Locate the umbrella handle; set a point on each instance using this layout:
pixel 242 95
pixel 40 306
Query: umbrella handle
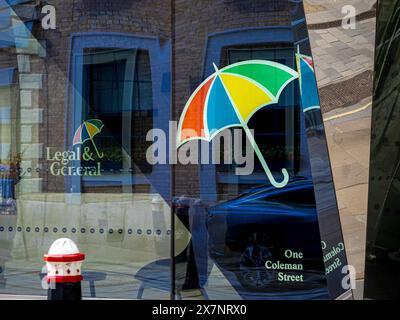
pixel 264 164
pixel 97 151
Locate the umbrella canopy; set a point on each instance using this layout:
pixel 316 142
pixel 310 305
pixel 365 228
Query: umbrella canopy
pixel 308 83
pixel 86 131
pixel 230 97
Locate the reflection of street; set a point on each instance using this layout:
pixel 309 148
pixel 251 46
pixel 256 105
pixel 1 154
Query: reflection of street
pixel 322 11
pixel 220 281
pixel 341 54
pixel 119 233
pixel 344 62
pixel 348 136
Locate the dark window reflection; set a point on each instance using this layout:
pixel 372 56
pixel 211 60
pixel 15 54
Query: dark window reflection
pixel 383 236
pixel 119 92
pixel 276 127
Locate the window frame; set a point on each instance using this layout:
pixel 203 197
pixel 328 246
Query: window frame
pixel 160 57
pixel 215 45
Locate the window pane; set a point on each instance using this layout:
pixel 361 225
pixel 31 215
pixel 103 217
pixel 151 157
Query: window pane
pixel 119 93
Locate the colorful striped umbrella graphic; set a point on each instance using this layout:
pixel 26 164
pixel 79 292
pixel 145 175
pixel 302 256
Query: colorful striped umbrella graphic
pixel 308 83
pixel 86 131
pixel 230 97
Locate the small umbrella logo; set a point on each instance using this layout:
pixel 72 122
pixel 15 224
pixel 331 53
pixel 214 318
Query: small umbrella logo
pixel 86 131
pixel 230 97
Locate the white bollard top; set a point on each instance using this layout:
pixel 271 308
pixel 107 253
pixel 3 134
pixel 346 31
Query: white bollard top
pixel 63 246
pixel 64 262
pixel 64 250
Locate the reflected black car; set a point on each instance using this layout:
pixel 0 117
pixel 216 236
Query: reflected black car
pixel 262 225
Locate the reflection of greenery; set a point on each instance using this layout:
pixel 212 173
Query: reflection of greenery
pixel 112 154
pixel 273 153
pixel 14 161
pixel 139 153
pixel 109 154
pixel 115 154
pixel 114 157
pixel 13 170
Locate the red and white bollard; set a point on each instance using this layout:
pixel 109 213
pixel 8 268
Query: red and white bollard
pixel 64 270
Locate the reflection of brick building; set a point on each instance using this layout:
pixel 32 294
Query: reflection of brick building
pixel 220 28
pixel 51 69
pixel 94 16
pixel 44 64
pixel 133 65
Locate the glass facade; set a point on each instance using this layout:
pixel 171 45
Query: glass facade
pixel 175 142
pixel 382 252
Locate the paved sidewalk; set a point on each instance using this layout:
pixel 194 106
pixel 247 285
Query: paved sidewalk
pixel 330 10
pixel 340 53
pixel 348 135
